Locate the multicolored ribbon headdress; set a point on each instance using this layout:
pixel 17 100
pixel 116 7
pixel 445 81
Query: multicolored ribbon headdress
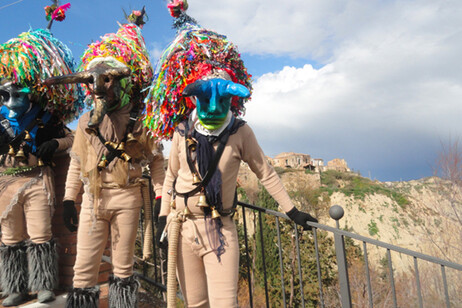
pixel 35 56
pixel 128 47
pixel 195 53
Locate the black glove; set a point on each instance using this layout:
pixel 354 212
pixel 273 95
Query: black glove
pixel 162 221
pixel 300 218
pixel 46 150
pixel 157 209
pixel 4 139
pixel 70 214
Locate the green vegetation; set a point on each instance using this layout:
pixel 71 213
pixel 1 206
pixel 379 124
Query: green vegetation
pixel 289 259
pixel 373 229
pixel 281 170
pixel 358 187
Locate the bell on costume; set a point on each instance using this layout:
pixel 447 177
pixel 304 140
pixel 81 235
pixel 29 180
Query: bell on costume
pixel 131 138
pixel 173 204
pixel 196 179
pixel 126 157
pixel 112 144
pixel 191 144
pixel 27 137
pixel 215 214
pixel 40 162
pixel 11 151
pixel 202 201
pixel 20 155
pixel 102 164
pixel 187 211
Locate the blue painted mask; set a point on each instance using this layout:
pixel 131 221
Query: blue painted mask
pixel 214 99
pixel 15 98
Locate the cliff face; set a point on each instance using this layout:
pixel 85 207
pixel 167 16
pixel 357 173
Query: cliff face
pixel 417 215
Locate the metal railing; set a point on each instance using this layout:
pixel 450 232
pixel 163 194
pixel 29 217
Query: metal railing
pixel 152 271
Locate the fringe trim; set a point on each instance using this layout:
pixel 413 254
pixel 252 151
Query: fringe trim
pixel 83 298
pixel 15 198
pixel 43 266
pixel 13 268
pixel 123 292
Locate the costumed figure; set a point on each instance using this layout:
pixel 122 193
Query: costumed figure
pixel 199 89
pixel 32 129
pixel 110 148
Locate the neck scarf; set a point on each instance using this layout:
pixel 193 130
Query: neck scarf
pixel 19 125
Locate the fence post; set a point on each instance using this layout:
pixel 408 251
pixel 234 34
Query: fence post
pixel 336 212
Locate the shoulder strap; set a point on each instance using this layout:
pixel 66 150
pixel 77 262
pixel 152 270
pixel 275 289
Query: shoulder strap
pixel 6 126
pixel 223 139
pixel 113 153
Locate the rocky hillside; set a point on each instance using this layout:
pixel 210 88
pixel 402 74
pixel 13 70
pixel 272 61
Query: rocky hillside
pixel 417 215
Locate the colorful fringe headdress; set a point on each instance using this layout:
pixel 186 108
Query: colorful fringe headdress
pixel 195 53
pixel 35 56
pixel 128 47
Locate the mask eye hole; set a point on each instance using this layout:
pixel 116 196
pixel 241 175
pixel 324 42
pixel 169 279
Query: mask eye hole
pixel 90 80
pixel 4 96
pixel 16 95
pixel 106 79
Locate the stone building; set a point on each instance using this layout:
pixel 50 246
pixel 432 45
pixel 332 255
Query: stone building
pixel 292 160
pixel 338 164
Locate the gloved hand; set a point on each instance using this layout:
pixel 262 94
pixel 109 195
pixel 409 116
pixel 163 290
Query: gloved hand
pixel 46 150
pixel 70 214
pixel 157 209
pixel 4 138
pixel 160 229
pixel 300 218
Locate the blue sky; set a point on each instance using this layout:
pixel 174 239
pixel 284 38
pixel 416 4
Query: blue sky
pixel 375 82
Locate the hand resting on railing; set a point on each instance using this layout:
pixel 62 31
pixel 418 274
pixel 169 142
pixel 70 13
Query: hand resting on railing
pixel 300 218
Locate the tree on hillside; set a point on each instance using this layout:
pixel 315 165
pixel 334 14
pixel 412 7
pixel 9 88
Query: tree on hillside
pixel 449 170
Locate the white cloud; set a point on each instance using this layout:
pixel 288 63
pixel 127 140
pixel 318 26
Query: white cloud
pixel 155 51
pixel 388 92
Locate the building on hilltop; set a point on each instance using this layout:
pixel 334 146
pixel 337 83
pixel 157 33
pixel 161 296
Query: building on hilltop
pixel 292 160
pixel 304 161
pixel 318 164
pixel 338 164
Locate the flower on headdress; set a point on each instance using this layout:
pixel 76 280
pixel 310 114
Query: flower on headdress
pixel 53 12
pixel 175 7
pixel 137 17
pixel 49 9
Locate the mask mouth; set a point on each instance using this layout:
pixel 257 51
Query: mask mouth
pixel 213 119
pixel 212 123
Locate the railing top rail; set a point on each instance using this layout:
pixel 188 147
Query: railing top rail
pixel 361 238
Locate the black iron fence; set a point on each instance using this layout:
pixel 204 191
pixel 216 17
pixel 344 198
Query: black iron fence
pixel 333 285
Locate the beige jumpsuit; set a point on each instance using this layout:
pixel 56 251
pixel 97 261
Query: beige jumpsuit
pixel 204 280
pixel 27 200
pixel 112 197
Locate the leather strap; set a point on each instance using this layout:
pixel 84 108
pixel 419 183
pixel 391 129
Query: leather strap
pixel 223 139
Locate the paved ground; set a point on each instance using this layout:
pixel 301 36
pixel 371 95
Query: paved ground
pixel 146 300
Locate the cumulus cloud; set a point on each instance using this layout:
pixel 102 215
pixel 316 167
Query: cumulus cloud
pixel 387 88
